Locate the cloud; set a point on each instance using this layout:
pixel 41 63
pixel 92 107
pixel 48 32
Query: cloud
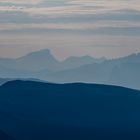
pixel 71 7
pixel 71 25
pixel 21 1
pixel 90 16
pixel 64 45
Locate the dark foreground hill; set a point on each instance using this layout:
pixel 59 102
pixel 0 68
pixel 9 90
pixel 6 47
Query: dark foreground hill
pixel 4 136
pixel 40 111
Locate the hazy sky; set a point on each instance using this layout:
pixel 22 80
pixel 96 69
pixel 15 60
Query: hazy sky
pixel 99 28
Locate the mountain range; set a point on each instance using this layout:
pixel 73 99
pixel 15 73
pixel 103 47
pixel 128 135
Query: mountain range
pixel 43 65
pixel 36 110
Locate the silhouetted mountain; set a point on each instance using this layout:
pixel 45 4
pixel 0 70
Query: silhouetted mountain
pixel 39 60
pixel 4 136
pixel 28 66
pixel 6 72
pixel 5 80
pixel 126 74
pixel 75 62
pixel 123 72
pixel 133 58
pixel 42 65
pixel 36 62
pixel 34 110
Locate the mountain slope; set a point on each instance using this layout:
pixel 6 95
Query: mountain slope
pixel 75 62
pixel 4 136
pixel 44 60
pixel 123 72
pixel 34 110
pixel 36 61
pixel 42 65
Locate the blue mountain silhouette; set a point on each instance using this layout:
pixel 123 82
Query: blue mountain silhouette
pixel 44 60
pixel 43 65
pixel 35 110
pixel 4 136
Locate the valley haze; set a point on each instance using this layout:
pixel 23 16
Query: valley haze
pixel 43 65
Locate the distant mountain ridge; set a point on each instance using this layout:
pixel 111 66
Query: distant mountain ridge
pixel 120 72
pixel 75 62
pixel 43 60
pixel 43 65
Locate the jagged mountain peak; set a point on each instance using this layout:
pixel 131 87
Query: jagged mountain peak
pixel 45 53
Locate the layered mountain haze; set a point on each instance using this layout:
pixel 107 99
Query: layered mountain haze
pixel 31 62
pixel 69 69
pixel 43 59
pixel 74 62
pixel 43 65
pixel 37 61
pixel 122 71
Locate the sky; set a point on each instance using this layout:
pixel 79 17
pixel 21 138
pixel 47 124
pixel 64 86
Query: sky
pixel 109 28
